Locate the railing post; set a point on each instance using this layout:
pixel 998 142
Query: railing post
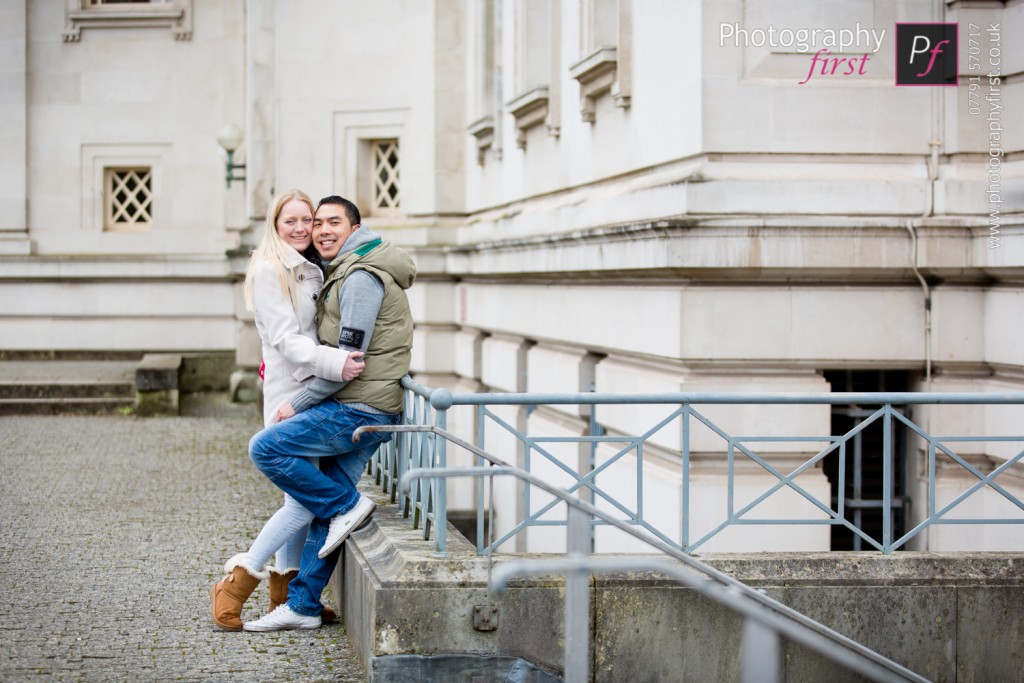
pixel 480 425
pixel 684 523
pixel 858 485
pixel 441 400
pixel 760 656
pixel 594 429
pixel 887 479
pixel 577 599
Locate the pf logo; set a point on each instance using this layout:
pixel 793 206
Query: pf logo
pixel 927 54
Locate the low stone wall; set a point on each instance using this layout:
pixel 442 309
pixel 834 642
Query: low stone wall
pixel 949 617
pixel 157 382
pixel 162 380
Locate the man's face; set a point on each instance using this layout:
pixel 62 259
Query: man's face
pixel 331 228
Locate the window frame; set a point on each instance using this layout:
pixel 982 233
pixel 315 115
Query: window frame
pixel 173 14
pixel 96 158
pixel 352 132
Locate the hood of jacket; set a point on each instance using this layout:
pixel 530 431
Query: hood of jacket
pixel 370 248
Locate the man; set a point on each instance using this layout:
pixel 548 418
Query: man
pixel 362 307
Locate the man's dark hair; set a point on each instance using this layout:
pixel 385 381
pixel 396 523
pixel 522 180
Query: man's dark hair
pixel 351 210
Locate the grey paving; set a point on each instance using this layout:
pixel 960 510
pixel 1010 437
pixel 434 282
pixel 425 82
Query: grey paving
pixel 112 530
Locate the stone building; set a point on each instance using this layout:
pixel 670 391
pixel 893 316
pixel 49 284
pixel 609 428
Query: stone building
pixel 609 195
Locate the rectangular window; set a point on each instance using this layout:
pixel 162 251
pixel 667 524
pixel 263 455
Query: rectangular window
pixel 538 77
pixel 600 24
pixel 486 125
pixel 534 44
pixel 387 194
pixel 128 198
pixel 605 68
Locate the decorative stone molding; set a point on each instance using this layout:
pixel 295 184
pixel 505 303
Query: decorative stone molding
pixel 597 74
pixel 15 244
pixel 97 162
pixel 79 14
pixel 355 134
pixel 529 109
pixel 483 130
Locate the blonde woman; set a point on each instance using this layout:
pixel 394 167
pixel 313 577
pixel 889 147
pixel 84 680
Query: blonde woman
pixel 282 282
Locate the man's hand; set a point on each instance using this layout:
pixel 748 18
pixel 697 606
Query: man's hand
pixel 354 365
pixel 284 412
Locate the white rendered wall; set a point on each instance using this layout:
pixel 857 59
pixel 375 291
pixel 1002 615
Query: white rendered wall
pixel 124 91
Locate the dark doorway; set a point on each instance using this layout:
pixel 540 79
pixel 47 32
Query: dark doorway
pixel 863 486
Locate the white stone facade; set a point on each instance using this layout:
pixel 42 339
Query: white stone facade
pixel 600 194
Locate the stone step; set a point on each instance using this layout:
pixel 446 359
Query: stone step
pixel 110 389
pixel 65 406
pixel 152 384
pixel 66 387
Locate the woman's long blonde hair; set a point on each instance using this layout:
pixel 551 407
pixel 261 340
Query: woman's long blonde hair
pixel 273 249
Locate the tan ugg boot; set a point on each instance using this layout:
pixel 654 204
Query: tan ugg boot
pixel 279 593
pixel 229 594
pixel 279 586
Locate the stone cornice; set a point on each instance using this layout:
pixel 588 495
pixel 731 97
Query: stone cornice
pixel 176 16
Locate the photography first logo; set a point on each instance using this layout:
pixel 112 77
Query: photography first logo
pixel 927 54
pixel 823 40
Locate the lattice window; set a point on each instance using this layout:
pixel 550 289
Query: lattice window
pixel 386 186
pixel 128 198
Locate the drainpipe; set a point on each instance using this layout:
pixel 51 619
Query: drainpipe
pixel 933 172
pixel 932 162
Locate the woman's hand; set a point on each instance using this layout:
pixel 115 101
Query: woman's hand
pixel 354 365
pixel 284 412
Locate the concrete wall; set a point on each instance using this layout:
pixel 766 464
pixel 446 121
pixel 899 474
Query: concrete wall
pixel 948 617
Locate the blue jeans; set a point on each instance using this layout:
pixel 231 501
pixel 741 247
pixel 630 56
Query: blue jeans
pixel 282 453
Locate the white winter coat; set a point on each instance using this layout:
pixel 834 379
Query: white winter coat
pixel 288 333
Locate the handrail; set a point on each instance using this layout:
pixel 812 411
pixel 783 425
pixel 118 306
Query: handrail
pixel 759 398
pixel 804 630
pixel 425 405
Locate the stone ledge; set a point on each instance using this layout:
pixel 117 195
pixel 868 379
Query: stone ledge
pixel 922 609
pixel 397 598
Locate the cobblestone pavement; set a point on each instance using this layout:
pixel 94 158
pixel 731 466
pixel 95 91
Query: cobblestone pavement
pixel 112 530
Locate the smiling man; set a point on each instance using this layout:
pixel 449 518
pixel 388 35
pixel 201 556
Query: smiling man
pixel 362 308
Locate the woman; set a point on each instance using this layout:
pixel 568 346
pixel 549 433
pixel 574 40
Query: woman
pixel 281 285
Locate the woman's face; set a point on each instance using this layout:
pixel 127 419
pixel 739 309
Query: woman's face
pixel 295 224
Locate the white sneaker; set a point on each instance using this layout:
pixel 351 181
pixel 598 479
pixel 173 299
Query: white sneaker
pixel 282 619
pixel 343 525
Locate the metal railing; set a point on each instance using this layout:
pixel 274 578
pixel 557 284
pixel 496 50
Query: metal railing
pixel 766 621
pixel 426 503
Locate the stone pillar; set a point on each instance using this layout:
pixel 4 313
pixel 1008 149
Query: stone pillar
pixel 246 202
pixel 261 96
pixel 504 368
pixel 14 133
pixel 558 369
pixel 952 479
pixel 661 487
